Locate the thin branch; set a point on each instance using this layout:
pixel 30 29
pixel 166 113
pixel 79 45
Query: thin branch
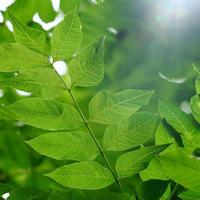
pixel 91 133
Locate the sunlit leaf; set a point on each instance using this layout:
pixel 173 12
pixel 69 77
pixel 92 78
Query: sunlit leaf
pixel 32 38
pixel 87 68
pixel 130 133
pixel 131 163
pixel 67 36
pixel 180 121
pixel 108 108
pixel 187 167
pixel 45 114
pixel 41 82
pixel 65 145
pixel 84 175
pixel 15 56
pixel 195 106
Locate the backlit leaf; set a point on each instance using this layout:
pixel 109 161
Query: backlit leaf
pixel 65 145
pixel 180 121
pixel 67 36
pixel 108 108
pixel 131 163
pixel 195 106
pixel 15 56
pixel 130 133
pixel 182 168
pixel 41 82
pixel 83 175
pixel 87 68
pixel 45 114
pixel 30 37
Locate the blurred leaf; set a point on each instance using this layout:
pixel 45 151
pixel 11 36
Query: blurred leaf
pixel 195 106
pixel 190 195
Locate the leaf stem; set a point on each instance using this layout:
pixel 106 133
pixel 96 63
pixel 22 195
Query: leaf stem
pixel 91 133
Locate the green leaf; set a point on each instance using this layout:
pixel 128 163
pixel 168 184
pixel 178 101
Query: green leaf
pixel 4 188
pixel 163 136
pixel 154 171
pixel 84 175
pixel 108 108
pixel 41 82
pixel 190 195
pixel 30 37
pixel 180 121
pixel 67 36
pixel 65 145
pixel 151 190
pixel 195 106
pixel 28 194
pixel 182 168
pixel 131 163
pixel 130 133
pixel 15 56
pixel 87 68
pixel 45 114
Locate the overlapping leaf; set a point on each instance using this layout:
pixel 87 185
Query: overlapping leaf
pixel 180 121
pixel 32 38
pixel 154 171
pixel 108 108
pixel 190 195
pixel 130 133
pixel 15 56
pixel 65 145
pixel 87 68
pixel 131 163
pixel 45 114
pixel 41 82
pixel 67 36
pixel 195 106
pixel 182 168
pixel 84 175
